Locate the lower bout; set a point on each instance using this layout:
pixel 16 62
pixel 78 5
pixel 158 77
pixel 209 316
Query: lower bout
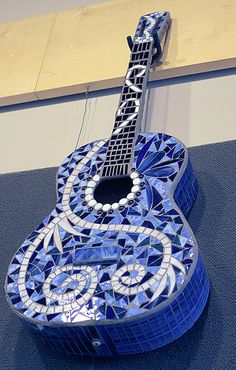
pixel 142 334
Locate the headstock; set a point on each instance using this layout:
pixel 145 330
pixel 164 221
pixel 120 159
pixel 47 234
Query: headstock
pixel 152 28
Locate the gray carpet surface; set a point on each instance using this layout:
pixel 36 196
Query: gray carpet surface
pixel 27 197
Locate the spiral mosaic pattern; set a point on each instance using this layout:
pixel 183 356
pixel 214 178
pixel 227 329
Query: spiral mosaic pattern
pixel 85 279
pixel 132 266
pixel 84 263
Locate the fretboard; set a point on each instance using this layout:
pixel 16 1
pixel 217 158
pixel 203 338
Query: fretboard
pixel 128 117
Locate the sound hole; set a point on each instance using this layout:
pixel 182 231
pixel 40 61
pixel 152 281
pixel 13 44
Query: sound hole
pixel 111 190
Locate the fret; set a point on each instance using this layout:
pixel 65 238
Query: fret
pixel 128 114
pixel 115 158
pixel 117 170
pixel 119 154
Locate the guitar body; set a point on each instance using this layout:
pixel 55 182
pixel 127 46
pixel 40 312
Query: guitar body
pixel 103 275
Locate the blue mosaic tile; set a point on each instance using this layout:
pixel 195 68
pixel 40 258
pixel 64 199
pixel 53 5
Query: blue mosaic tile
pixel 73 274
pixel 100 278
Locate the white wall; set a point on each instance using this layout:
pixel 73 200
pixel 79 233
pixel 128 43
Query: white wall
pixel 197 111
pixel 11 10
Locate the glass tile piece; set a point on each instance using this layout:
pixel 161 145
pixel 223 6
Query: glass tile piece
pixel 113 266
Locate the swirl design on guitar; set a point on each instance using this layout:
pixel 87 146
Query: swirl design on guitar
pixel 136 267
pixel 85 278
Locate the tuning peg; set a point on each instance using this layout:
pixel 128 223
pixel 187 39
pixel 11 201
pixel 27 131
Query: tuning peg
pixel 130 42
pixel 157 56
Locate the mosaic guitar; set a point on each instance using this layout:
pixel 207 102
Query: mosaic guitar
pixel 115 268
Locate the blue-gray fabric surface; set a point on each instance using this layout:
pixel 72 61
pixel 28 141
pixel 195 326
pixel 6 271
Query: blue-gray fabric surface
pixel 27 197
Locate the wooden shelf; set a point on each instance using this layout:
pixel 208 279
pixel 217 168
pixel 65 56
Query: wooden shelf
pixel 22 49
pixel 68 52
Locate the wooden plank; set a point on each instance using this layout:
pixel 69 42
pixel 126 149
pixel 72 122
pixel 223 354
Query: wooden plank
pixel 88 48
pixel 22 49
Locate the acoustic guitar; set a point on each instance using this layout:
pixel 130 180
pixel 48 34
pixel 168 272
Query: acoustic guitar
pixel 115 268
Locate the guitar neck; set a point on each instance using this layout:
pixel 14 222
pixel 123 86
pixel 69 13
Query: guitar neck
pixel 119 155
pixel 129 113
